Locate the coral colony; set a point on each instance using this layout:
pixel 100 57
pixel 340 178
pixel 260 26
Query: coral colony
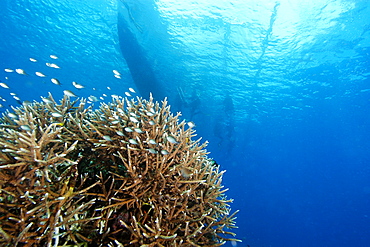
pixel 126 174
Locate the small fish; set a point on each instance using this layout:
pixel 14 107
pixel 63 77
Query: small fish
pixel 16 98
pixel 2 84
pixel 134 120
pixel 26 102
pixel 132 141
pixel 131 90
pixel 138 130
pixel 69 93
pixel 108 88
pixel 185 172
pixel 12 115
pixel 153 151
pixel 76 85
pixel 116 72
pixel 55 81
pixel 120 133
pixel 128 129
pixel 56 114
pixel 127 94
pixel 52 65
pixel 151 122
pixel 46 100
pixel 53 57
pixel 33 60
pixel 107 138
pixel 164 152
pixel 191 124
pixel 60 124
pixel 171 139
pixel 25 127
pixel 21 71
pixel 9 70
pixel 151 141
pixel 12 94
pixel 92 98
pixel 40 74
pixel 117 76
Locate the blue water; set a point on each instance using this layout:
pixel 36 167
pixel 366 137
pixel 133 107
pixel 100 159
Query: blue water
pixel 280 89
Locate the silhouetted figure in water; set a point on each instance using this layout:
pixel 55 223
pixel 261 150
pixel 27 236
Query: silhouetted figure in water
pixel 189 106
pixel 194 104
pixel 228 106
pixel 224 127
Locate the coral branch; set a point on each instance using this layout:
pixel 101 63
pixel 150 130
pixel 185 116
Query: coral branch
pixel 125 174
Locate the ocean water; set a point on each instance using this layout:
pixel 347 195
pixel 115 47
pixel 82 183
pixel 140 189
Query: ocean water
pixel 280 90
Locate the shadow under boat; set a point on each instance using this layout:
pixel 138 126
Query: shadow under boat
pixel 136 58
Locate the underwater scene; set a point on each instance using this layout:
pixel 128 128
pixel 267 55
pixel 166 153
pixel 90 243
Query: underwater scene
pixel 185 123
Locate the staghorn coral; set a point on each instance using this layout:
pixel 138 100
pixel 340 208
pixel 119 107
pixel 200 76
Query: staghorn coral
pixel 128 173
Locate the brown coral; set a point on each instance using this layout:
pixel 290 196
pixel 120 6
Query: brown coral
pixel 128 173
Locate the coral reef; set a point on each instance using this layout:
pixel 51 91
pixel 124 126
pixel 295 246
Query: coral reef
pixel 127 173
